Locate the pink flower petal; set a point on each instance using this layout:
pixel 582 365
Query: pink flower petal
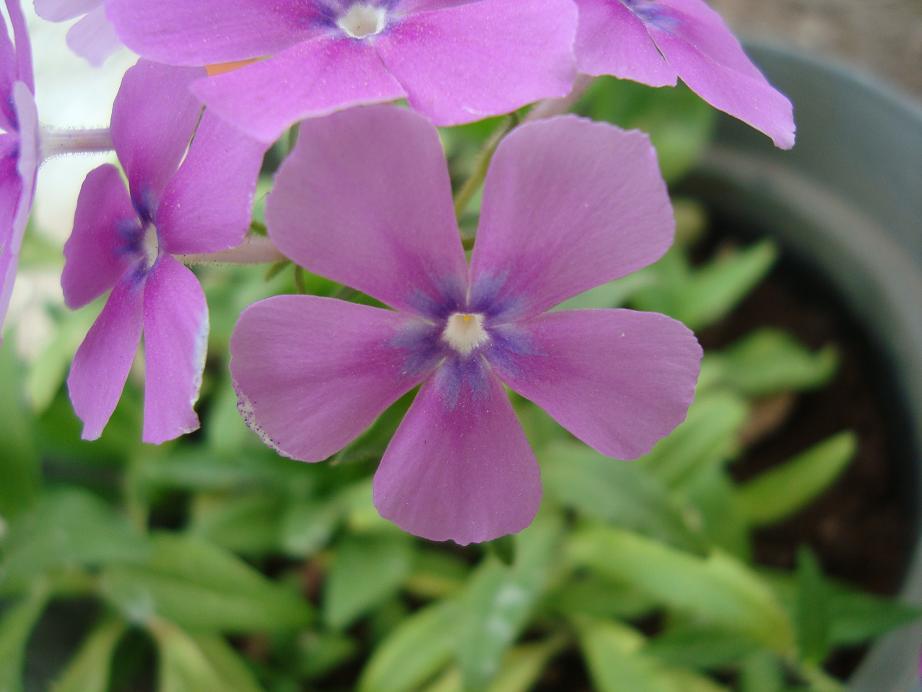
pixel 313 373
pixel 707 56
pixel 617 379
pixel 208 204
pixel 568 204
pixel 94 37
pixel 23 45
pixel 153 119
pixel 459 467
pixel 175 345
pixel 95 254
pixel 201 32
pixel 313 78
pixel 613 40
pixel 365 200
pixel 62 10
pixel 103 361
pixel 483 58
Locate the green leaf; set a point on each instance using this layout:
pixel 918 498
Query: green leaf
pixel 520 671
pixel 707 294
pixel 319 653
pixel 618 662
pixel 786 489
pixel 67 529
pixel 596 596
pixel 706 440
pixel 202 664
pixel 307 526
pixel 89 670
pixel 614 294
pixel 246 524
pixel 421 646
pixel 713 497
pixel 761 672
pixel 855 617
pixel 20 472
pixel 718 589
pixel 700 647
pixel 500 599
pixel 366 571
pixel 15 628
pixel 679 123
pixel 614 492
pixel 812 616
pixel 770 361
pixel 200 586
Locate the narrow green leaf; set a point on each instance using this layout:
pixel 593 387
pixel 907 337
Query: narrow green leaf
pixel 761 672
pixel 15 628
pixel 770 361
pixel 246 524
pixel 421 646
pixel 614 492
pixel 89 670
pixel 784 490
pixel 700 647
pixel 520 671
pixel 20 472
pixel 437 574
pixel 813 617
pixel 713 496
pixel 202 587
pixel 46 374
pixel 718 589
pixel 718 287
pixel 614 294
pixel 306 526
pixel 500 599
pixel 321 652
pixel 594 595
pixel 618 662
pixel 67 529
pixel 707 439
pixel 204 664
pixel 855 617
pixel 366 571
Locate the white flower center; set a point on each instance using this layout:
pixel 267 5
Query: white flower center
pixel 150 244
pixel 464 332
pixel 363 20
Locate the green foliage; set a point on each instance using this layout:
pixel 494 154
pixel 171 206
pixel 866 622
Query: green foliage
pixel 201 587
pixel 785 489
pixel 21 478
pixel 182 545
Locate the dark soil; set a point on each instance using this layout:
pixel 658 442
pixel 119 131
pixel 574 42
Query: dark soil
pixel 861 529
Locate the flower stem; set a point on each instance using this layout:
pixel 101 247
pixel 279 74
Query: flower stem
pixel 253 250
pixel 543 109
pixel 59 142
pixel 473 183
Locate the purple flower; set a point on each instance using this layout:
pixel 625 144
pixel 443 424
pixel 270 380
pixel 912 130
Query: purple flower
pixel 19 147
pixel 658 41
pixel 93 37
pixel 365 199
pixel 455 60
pixel 179 203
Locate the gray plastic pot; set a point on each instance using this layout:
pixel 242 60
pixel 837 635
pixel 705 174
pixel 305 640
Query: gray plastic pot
pixel 847 201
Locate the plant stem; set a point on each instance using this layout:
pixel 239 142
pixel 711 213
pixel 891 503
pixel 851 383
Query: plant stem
pixel 253 250
pixel 473 183
pixel 55 142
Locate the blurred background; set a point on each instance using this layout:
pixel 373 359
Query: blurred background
pixel 771 544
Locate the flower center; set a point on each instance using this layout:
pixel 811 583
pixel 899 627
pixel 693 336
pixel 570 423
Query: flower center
pixel 363 20
pixel 464 332
pixel 150 245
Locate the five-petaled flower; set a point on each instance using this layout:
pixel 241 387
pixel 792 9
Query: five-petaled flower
pixel 93 37
pixel 365 199
pixel 19 147
pixel 456 61
pixel 182 200
pixel 658 41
